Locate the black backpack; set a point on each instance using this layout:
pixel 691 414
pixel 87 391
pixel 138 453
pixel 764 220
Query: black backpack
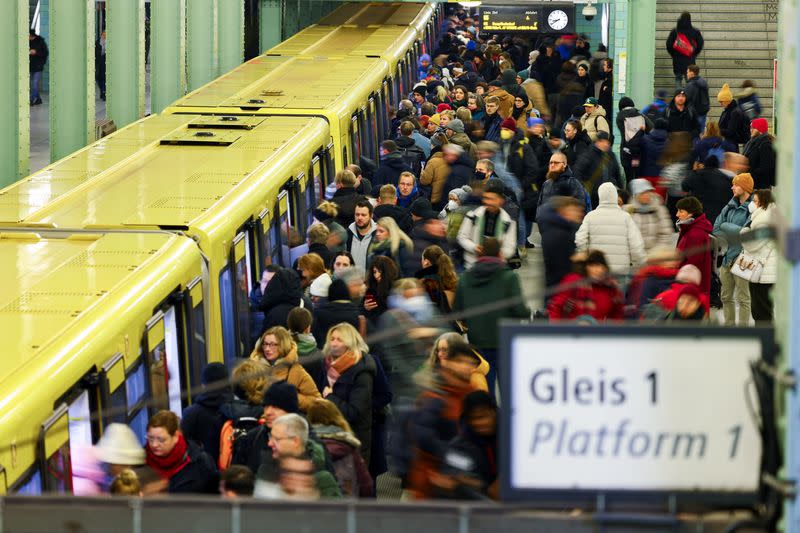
pixel 413 157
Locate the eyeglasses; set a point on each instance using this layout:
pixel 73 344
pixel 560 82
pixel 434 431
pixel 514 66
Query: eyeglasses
pixel 269 344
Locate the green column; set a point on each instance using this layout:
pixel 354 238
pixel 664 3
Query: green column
pixel 125 61
pixel 231 34
pixel 71 76
pixel 167 52
pixel 14 92
pixel 641 49
pixel 291 17
pixel 201 45
pixel 269 23
pixel 304 13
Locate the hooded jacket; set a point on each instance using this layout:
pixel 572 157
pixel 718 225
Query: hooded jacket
pixel 695 235
pixel 201 421
pixel 595 122
pixel 652 147
pixel 199 476
pixel 435 175
pixel 359 245
pixel 331 313
pixel 595 167
pixel 388 173
pixel 612 231
pixel 685 120
pixel 489 280
pixel 288 369
pixel 463 141
pixel 653 222
pixel 399 214
pixel 578 145
pixel 565 185
pixel 681 62
pixel 283 293
pixel 765 250
pixel 346 199
pixel 351 471
pixel 462 172
pixel 734 125
pixel 506 102
pixel 697 95
pixel 601 300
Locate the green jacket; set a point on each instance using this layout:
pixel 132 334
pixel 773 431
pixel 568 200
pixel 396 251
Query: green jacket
pixel 327 485
pixel 488 281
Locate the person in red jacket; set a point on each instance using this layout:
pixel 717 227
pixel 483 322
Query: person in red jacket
pixel 588 291
pixel 694 242
pixel 687 275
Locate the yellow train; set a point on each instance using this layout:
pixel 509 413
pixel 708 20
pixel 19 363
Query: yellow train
pixel 129 262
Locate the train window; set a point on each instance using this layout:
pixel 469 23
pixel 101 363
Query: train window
pixel 242 292
pixel 355 139
pixel 174 359
pixel 157 368
pixel 228 310
pixel 198 356
pixel 365 141
pixel 264 232
pixel 136 388
pixel 399 83
pixel 139 425
pixel 381 111
pixel 315 188
pixel 114 390
pixel 288 234
pixel 54 447
pixel 31 485
pixel 329 168
pixel 80 421
pixel 299 204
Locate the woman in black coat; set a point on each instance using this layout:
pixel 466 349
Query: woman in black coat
pixel 346 377
pixel 281 294
pixel 681 62
pixel 338 308
pixel 577 140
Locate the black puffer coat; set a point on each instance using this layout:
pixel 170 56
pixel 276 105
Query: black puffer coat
pixel 283 293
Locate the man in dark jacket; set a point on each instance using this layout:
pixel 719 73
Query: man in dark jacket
pixel 200 421
pixel 37 56
pixel 680 116
pixel 489 280
pixel 652 146
pixel 597 166
pixel 733 123
pixel 518 156
pixel 558 223
pixel 462 167
pixel 690 44
pixel 346 197
pixel 709 185
pixel 392 165
pixel 760 153
pixel 606 93
pixel 632 126
pixel 560 182
pixel 407 146
pixel 697 94
pixel 387 207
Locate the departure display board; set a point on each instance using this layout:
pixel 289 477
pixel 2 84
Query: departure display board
pixel 528 18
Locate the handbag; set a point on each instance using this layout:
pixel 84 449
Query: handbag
pixel 748 267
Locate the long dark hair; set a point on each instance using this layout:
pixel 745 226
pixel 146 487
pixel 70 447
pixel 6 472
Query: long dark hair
pixel 765 198
pixel 389 274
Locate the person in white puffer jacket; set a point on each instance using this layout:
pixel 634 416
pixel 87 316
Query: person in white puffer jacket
pixel 650 215
pixel 762 214
pixel 612 231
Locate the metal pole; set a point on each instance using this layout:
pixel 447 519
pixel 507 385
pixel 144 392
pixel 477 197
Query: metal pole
pixel 168 52
pixel 202 44
pixel 125 61
pixel 14 92
pixel 270 24
pixel 72 40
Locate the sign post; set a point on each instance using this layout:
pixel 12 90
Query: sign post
pixel 630 413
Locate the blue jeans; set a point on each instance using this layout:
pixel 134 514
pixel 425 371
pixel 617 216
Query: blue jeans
pixel 522 236
pixel 36 80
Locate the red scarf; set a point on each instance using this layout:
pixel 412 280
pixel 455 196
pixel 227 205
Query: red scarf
pixel 172 463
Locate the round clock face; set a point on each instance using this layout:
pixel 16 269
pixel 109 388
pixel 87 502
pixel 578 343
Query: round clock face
pixel 557 19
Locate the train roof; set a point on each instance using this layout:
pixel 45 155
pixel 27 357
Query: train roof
pixel 289 85
pixel 207 176
pixel 415 14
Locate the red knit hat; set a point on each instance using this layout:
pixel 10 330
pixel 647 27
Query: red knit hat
pixel 423 120
pixel 760 124
pixel 509 124
pixel 442 107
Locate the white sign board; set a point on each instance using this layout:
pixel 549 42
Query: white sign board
pixel 632 413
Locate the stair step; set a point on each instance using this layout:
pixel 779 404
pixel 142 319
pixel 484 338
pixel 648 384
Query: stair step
pixel 726 54
pixel 749 26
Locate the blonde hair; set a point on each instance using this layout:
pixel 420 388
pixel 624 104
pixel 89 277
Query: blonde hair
pixel 396 235
pixel 441 93
pixel 126 483
pixel 285 343
pixel 346 178
pixel 250 376
pixel 464 114
pixel 444 266
pixel 318 234
pixel 449 113
pixel 329 208
pixel 325 413
pixel 712 130
pixel 491 100
pixel 350 336
pixel 388 192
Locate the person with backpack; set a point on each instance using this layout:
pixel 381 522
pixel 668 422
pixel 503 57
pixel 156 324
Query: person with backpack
pixel 733 123
pixel 200 421
pixel 413 154
pixel 684 44
pixel 594 119
pixel 711 144
pixel 455 135
pixel 392 165
pixel 697 94
pixel 632 126
pixel 597 166
pixel 658 107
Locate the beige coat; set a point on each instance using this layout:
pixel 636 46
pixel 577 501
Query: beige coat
pixel 435 174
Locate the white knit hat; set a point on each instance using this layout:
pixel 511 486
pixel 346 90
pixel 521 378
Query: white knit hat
pixel 319 287
pixel 689 274
pixel 120 446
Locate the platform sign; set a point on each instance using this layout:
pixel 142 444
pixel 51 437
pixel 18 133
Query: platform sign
pixel 630 411
pixel 520 18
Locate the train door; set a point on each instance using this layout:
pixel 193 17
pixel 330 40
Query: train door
pixel 54 452
pixel 163 361
pixel 194 312
pixel 268 247
pixel 355 139
pixel 234 289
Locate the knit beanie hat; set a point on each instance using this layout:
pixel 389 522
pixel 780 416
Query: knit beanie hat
pixel 214 372
pixel 120 446
pixel 462 193
pixel 434 119
pixel 689 274
pixel 639 185
pixel 625 102
pixel 760 124
pixel 283 396
pixel 423 120
pixel 509 124
pixel 725 95
pixel 456 125
pixel 533 121
pixel 421 90
pixel 319 287
pixel 338 291
pixel 442 107
pixel 745 181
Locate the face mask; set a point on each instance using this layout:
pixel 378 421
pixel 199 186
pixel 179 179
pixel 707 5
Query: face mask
pixel 506 135
pixel 752 207
pixel 480 176
pixel 452 204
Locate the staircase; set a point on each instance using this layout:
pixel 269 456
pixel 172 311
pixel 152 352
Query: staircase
pixel 740 44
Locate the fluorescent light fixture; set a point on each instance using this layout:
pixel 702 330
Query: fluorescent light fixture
pixel 471 3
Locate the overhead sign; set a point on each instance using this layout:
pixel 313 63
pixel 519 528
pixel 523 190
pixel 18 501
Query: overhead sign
pixel 620 409
pixel 551 18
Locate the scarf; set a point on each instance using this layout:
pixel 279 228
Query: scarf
pixel 499 228
pixel 172 463
pixel 337 367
